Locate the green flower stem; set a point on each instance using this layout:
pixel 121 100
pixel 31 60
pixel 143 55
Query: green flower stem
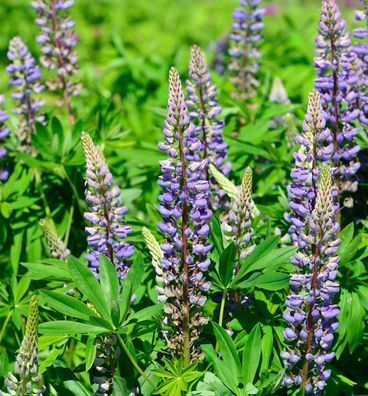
pixel 135 364
pixel 5 325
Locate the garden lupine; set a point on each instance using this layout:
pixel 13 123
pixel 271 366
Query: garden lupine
pixel 360 48
pixel 279 95
pixel 311 314
pixel 4 133
pixel 58 41
pixel 204 112
pixel 56 247
pixel 184 207
pixel 25 378
pixel 244 42
pixel 107 230
pixel 25 75
pixel 336 87
pixel 219 61
pixel 315 147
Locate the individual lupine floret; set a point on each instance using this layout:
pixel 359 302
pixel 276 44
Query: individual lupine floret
pixel 360 48
pixel 25 378
pixel 184 207
pixel 244 42
pixel 315 146
pixel 25 75
pixel 204 112
pixel 107 230
pixel 332 42
pixel 311 314
pixel 55 245
pixel 58 41
pixel 4 133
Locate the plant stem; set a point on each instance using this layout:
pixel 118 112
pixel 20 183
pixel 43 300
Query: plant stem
pixel 222 307
pixel 69 225
pixel 5 325
pixel 135 364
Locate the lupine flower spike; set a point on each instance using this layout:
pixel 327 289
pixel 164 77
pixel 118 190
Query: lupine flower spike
pixel 311 314
pixel 204 112
pixel 244 42
pixel 26 377
pixel 279 95
pixel 184 206
pixel 55 245
pixel 360 48
pixel 338 74
pixel 25 75
pixel 58 41
pixel 107 230
pixel 4 133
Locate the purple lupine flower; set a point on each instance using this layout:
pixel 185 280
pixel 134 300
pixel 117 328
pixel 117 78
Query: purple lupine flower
pixel 245 38
pixel 204 112
pixel 315 147
pixel 184 206
pixel 219 61
pixel 311 314
pixel 107 230
pixel 58 41
pixel 25 75
pixel 4 133
pixel 360 48
pixel 336 87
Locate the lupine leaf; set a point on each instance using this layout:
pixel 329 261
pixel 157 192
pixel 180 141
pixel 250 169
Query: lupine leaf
pixel 69 327
pixel 252 355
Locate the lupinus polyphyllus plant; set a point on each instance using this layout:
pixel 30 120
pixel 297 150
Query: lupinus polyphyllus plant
pixel 55 245
pixel 184 206
pixel 245 38
pixel 204 111
pixel 336 81
pixel 4 133
pixel 58 41
pixel 25 75
pixel 311 314
pixel 279 95
pixel 107 230
pixel 360 48
pixel 26 377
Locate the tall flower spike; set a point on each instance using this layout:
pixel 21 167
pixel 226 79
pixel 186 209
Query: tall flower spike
pixel 311 314
pixel 107 230
pixel 4 133
pixel 58 41
pixel 279 95
pixel 204 111
pixel 337 89
pixel 245 38
pixel 360 48
pixel 55 245
pixel 25 378
pixel 184 206
pixel 25 75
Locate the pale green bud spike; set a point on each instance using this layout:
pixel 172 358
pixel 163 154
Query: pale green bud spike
pixel 154 249
pixel 92 153
pixel 246 187
pixel 324 199
pixel 278 92
pixel 229 187
pixel 55 245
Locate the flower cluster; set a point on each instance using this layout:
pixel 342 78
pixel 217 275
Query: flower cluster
pixel 219 61
pixel 25 378
pixel 245 37
pixel 55 245
pixel 25 75
pixel 360 48
pixel 204 111
pixel 184 207
pixel 314 148
pixel 4 133
pixel 338 75
pixel 107 229
pixel 58 41
pixel 311 314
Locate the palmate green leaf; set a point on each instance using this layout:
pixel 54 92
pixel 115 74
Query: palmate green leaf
pixel 119 387
pixel 270 281
pixel 227 264
pixel 252 355
pixel 211 386
pixel 90 352
pixel 110 287
pixel 48 269
pixel 228 186
pixel 131 284
pixel 66 327
pixel 67 305
pixel 267 346
pixel 89 286
pixel 147 313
